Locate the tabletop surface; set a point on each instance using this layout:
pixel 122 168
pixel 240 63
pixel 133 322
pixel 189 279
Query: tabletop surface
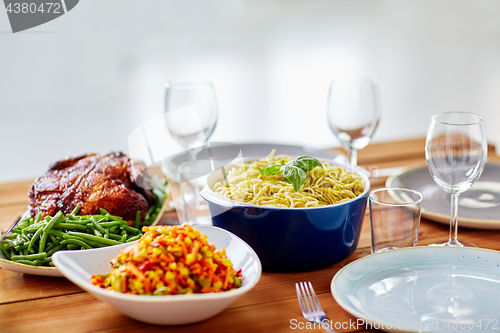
pixel 40 303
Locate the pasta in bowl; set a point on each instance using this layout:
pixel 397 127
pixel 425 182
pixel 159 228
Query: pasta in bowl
pixel 290 230
pixel 325 185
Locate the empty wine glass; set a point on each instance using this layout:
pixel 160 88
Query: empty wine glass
pixel 353 112
pixel 456 151
pixel 191 117
pixel 191 111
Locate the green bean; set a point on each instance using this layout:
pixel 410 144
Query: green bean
pixel 47 228
pixel 33 229
pixel 25 238
pixel 96 224
pixel 115 237
pixel 97 216
pixel 41 262
pixel 38 218
pixel 73 246
pixel 77 242
pixel 137 219
pixel 130 229
pixel 94 238
pixel 8 243
pixel 35 238
pixel 112 224
pixel 26 262
pixel 89 242
pixel 53 221
pixel 37 262
pixel 42 255
pixel 21 246
pixel 133 238
pixel 43 240
pixel 76 210
pixel 114 218
pixel 103 211
pixel 56 233
pixel 69 226
pixel 51 246
pixel 55 249
pixel 4 251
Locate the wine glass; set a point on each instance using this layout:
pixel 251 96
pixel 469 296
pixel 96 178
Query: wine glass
pixel 191 111
pixel 191 117
pixel 456 151
pixel 353 112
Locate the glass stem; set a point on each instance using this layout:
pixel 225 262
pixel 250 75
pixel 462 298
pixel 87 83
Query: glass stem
pixel 194 182
pixel 453 241
pixel 353 156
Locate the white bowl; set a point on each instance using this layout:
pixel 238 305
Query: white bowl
pixel 78 267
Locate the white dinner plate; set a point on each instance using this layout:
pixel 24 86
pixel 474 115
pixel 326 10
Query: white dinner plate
pixel 228 152
pixel 479 206
pixel 423 289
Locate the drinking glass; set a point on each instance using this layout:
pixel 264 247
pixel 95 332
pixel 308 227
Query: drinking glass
pixel 191 116
pixel 353 112
pixel 394 218
pixel 456 151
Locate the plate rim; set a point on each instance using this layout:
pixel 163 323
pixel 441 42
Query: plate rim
pixel 465 222
pixel 359 315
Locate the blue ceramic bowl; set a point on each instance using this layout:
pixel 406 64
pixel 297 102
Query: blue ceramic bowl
pixel 292 239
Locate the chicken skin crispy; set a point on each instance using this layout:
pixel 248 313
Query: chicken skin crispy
pixel 113 182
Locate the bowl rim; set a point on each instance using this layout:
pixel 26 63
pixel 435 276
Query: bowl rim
pixel 208 194
pixel 86 285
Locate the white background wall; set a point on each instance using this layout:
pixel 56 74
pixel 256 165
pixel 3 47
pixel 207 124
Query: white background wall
pixel 84 81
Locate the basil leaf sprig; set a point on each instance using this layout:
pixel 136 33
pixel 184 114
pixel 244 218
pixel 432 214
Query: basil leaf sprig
pixel 295 171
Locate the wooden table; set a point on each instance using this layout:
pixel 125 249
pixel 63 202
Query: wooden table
pixel 45 304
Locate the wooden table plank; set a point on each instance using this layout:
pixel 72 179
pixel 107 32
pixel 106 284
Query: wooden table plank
pixel 32 287
pixel 10 214
pixel 15 193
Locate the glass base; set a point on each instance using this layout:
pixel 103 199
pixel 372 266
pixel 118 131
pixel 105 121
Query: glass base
pixel 455 244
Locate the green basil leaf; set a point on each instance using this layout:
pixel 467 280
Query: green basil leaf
pixel 295 175
pixel 274 169
pixel 309 162
pixel 298 163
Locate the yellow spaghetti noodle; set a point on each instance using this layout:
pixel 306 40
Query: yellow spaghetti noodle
pixel 326 186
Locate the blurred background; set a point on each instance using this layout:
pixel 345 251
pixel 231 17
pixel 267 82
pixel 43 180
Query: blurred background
pixel 85 81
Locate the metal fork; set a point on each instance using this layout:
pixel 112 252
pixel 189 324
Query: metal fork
pixel 309 304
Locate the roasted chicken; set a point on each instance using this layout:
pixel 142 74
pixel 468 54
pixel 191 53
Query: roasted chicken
pixel 113 182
